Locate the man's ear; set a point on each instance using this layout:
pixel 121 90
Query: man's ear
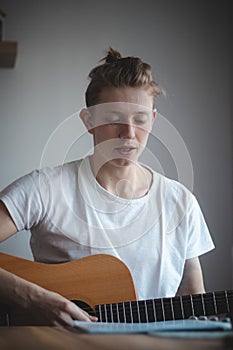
pixel 87 120
pixel 154 115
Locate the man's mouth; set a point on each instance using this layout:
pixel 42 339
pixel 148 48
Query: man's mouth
pixel 124 150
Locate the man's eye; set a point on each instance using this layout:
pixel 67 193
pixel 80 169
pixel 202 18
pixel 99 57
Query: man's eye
pixel 140 121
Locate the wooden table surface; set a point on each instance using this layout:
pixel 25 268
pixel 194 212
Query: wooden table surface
pixel 44 338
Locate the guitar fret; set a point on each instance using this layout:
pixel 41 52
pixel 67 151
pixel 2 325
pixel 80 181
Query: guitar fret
pixel 182 307
pixel 203 305
pixel 124 313
pixel 191 300
pixel 97 312
pixel 111 312
pixel 118 317
pixel 173 314
pixel 103 313
pixel 114 313
pixel 138 310
pixel 226 297
pixel 107 313
pixel 230 299
pixel 131 312
pixel 154 310
pixel 163 313
pixel 146 312
pixel 121 312
pixel 215 305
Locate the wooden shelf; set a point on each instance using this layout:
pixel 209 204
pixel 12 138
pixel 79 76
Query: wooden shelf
pixel 8 53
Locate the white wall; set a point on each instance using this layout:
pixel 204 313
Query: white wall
pixel 188 46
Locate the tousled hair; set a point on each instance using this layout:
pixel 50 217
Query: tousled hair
pixel 118 71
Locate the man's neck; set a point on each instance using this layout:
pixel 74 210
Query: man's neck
pixel 126 181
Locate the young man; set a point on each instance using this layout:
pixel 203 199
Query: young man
pixel 108 202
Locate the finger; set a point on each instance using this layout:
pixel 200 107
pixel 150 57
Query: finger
pixel 63 319
pixel 83 316
pixel 92 318
pixel 79 314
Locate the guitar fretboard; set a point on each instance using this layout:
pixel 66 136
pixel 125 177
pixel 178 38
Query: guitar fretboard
pixel 214 303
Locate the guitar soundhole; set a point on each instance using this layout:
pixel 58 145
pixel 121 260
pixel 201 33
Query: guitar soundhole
pixel 84 306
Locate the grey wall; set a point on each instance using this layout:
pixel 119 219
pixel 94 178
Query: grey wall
pixel 188 46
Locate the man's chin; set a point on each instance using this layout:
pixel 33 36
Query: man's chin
pixel 122 162
pixel 115 160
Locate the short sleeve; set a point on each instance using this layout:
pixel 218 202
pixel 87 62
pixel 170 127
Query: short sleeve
pixel 24 201
pixel 199 239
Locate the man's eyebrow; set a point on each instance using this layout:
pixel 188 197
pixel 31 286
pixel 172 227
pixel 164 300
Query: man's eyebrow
pixel 114 112
pixel 142 112
pixel 119 113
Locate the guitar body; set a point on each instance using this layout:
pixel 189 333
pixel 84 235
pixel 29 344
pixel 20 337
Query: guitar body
pixel 96 279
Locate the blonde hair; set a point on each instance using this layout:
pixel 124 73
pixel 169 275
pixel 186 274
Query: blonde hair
pixel 118 71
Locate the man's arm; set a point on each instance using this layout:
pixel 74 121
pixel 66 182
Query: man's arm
pixel 192 280
pixel 7 226
pixel 44 307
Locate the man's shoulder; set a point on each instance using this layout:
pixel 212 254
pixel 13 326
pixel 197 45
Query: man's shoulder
pixel 171 190
pixel 57 170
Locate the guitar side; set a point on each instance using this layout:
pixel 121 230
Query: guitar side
pixel 95 279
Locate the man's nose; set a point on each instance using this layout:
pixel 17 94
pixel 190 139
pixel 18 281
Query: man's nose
pixel 127 131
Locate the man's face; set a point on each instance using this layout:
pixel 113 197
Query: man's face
pixel 121 123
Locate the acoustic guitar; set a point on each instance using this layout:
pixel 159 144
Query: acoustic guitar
pixel 103 286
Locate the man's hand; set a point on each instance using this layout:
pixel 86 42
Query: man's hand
pixel 38 306
pixel 49 308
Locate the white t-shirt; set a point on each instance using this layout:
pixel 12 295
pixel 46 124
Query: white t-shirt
pixel 71 216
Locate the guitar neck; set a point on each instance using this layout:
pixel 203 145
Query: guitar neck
pixel 182 307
